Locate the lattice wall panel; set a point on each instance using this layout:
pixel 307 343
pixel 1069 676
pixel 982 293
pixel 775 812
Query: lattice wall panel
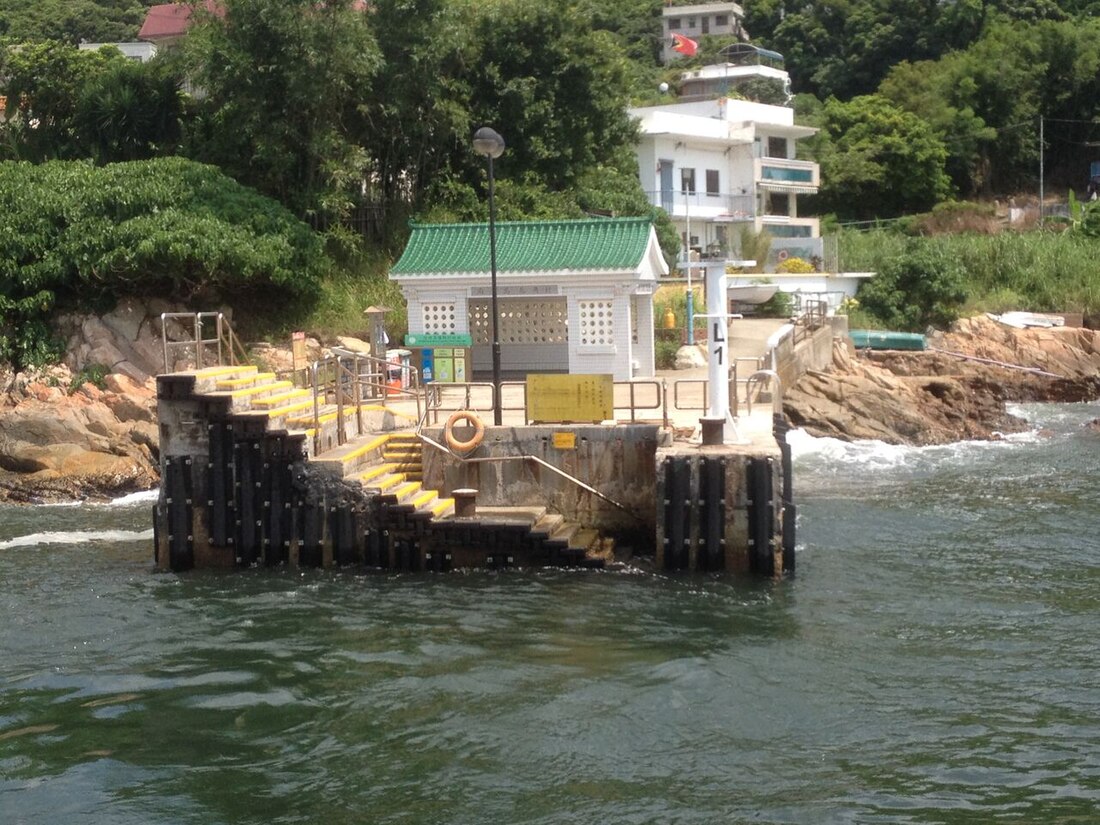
pixel 521 322
pixel 597 327
pixel 439 318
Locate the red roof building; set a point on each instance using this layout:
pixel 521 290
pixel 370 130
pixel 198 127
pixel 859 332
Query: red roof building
pixel 167 23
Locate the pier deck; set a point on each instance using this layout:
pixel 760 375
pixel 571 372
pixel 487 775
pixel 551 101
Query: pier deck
pixel 255 474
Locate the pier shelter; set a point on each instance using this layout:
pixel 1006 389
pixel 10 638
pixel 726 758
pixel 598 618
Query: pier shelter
pixel 574 296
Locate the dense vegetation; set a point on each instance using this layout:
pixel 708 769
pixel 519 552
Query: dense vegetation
pixel 73 235
pixel 356 122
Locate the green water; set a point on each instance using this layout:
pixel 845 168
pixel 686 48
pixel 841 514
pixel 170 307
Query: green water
pixel 935 660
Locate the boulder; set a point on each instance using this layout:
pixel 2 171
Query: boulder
pixel 354 344
pixel 689 357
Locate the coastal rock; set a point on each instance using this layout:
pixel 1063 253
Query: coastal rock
pixel 91 442
pixel 938 396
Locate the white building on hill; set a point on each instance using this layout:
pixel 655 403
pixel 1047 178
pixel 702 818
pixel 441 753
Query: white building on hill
pixel 718 164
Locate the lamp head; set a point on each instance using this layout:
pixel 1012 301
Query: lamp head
pixel 488 142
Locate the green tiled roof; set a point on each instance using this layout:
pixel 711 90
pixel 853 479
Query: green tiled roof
pixel 526 246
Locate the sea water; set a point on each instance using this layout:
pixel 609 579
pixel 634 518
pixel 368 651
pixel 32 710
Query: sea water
pixel 935 660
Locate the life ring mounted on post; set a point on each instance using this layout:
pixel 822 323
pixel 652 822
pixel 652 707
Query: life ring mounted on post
pixel 472 443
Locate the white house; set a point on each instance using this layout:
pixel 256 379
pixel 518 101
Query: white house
pixel 698 20
pixel 139 51
pixel 719 164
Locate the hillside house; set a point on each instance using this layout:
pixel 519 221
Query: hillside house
pixel 695 21
pixel 717 165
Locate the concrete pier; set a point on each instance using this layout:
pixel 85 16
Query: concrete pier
pixel 256 472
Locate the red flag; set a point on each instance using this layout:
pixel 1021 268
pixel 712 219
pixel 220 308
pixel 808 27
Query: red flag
pixel 684 45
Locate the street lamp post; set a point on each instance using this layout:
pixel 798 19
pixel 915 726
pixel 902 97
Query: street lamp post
pixel 488 142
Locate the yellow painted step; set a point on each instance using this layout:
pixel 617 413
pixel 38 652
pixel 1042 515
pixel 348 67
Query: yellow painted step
pixel 442 507
pixel 406 489
pixel 386 482
pixel 423 498
pixel 282 398
pixel 390 454
pixel 214 372
pixel 364 448
pixel 275 386
pixel 376 471
pixel 247 381
pixel 292 408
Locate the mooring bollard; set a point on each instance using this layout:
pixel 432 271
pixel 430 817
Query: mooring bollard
pixel 465 502
pixel 713 430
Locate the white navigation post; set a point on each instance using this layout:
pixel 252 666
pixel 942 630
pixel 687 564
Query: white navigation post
pixel 718 361
pixel 713 425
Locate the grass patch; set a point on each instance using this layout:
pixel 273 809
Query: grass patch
pixel 1041 271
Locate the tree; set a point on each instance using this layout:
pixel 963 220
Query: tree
pixel 72 21
pixel 555 88
pixel 47 80
pixel 281 83
pixel 878 161
pixel 946 104
pixel 88 104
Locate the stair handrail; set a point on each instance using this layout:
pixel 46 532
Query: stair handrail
pixel 229 345
pixel 759 377
pixel 344 374
pixel 534 458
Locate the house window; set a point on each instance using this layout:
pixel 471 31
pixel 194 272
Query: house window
pixel 691 22
pixel 721 20
pixel 706 24
pixel 687 181
pixel 777 203
pixel 777 147
pixel 673 23
pixel 712 181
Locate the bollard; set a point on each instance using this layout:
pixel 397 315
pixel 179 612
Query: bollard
pixel 713 430
pixel 465 502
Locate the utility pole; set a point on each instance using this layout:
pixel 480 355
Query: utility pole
pixel 1041 142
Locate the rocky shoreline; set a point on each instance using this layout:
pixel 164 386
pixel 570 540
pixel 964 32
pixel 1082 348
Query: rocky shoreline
pixel 66 439
pixel 936 396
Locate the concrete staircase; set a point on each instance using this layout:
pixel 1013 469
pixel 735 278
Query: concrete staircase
pixel 414 527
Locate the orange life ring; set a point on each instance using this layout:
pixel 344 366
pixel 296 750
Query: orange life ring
pixel 449 435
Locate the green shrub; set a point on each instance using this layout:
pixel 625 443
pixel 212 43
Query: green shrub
pixel 1045 271
pixel 665 353
pixel 780 305
pixel 72 234
pixel 91 374
pixel 921 287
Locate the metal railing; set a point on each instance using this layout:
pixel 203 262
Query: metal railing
pixel 350 379
pixel 759 377
pixel 811 315
pixel 476 396
pixel 228 350
pixel 431 442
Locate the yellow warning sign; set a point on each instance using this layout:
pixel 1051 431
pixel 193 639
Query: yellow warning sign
pixel 570 398
pixel 565 441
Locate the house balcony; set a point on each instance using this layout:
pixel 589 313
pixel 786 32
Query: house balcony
pixel 715 208
pixel 783 175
